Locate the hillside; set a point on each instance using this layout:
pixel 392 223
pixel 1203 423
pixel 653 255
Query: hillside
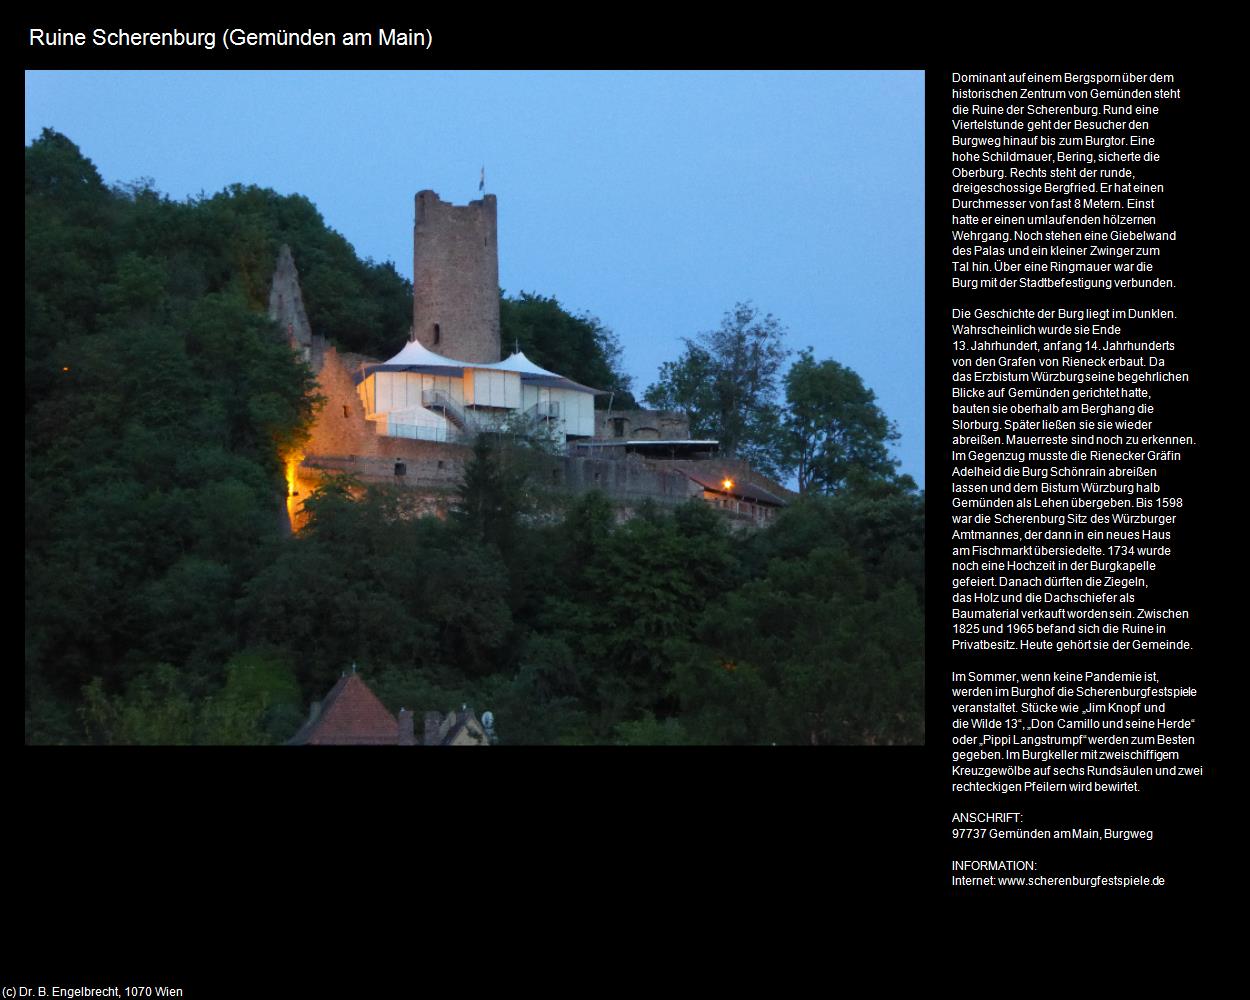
pixel 165 604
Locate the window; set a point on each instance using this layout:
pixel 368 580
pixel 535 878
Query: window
pixel 345 413
pixel 438 333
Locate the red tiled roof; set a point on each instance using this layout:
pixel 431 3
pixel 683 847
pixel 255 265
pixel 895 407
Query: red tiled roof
pixel 350 715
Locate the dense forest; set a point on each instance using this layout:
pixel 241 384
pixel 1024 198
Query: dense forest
pixel 166 604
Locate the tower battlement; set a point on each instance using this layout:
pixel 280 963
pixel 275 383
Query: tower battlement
pixel 455 277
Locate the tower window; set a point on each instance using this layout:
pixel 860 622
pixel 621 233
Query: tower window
pixel 345 413
pixel 438 333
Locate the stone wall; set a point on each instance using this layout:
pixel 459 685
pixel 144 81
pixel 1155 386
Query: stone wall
pixel 434 471
pixel 455 278
pixel 286 308
pixel 441 470
pixel 631 480
pixel 642 425
pixel 340 427
pixel 424 497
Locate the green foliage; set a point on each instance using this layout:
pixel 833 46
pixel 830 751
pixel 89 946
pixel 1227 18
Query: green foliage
pixel 723 701
pixel 829 434
pixel 158 403
pixel 69 257
pixel 491 497
pixel 633 597
pixel 527 715
pixel 165 603
pixel 265 679
pixel 881 522
pixel 833 431
pixel 161 708
pixel 649 731
pixel 842 660
pixel 365 581
pixel 360 305
pixel 688 384
pixel 578 347
pixel 726 381
pixel 825 643
pixel 418 691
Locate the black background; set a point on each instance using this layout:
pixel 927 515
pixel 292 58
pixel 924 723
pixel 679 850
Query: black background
pixel 1180 811
pixel 185 860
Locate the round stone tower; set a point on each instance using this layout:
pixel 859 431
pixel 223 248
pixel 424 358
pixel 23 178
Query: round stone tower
pixel 455 278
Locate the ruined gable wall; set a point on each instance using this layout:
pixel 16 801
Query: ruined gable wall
pixel 286 308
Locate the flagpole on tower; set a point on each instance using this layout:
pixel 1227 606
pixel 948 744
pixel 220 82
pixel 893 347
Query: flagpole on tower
pixel 481 184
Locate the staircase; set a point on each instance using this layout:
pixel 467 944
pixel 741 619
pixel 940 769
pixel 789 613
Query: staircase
pixel 544 410
pixel 433 399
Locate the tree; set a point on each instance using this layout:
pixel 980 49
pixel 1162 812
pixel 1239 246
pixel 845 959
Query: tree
pixel 162 707
pixel 726 382
pixel 833 433
pixel 824 641
pixel 688 385
pixel 490 499
pixel 360 305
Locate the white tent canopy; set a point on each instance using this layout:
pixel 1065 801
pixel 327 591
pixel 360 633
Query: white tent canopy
pixel 531 372
pixel 417 356
pixel 518 362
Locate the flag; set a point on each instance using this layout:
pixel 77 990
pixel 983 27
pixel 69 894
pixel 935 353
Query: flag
pixel 481 184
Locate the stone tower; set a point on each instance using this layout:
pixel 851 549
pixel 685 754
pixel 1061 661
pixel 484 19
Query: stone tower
pixel 455 278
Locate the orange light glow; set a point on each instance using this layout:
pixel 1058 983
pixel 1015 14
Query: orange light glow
pixel 727 484
pixel 65 368
pixel 293 502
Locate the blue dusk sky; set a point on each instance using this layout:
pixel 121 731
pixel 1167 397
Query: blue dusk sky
pixel 652 200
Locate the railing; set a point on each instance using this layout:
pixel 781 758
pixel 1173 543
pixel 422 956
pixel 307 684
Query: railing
pixel 463 424
pixel 420 432
pixel 433 399
pixel 544 410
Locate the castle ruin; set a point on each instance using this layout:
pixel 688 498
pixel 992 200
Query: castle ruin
pixel 410 420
